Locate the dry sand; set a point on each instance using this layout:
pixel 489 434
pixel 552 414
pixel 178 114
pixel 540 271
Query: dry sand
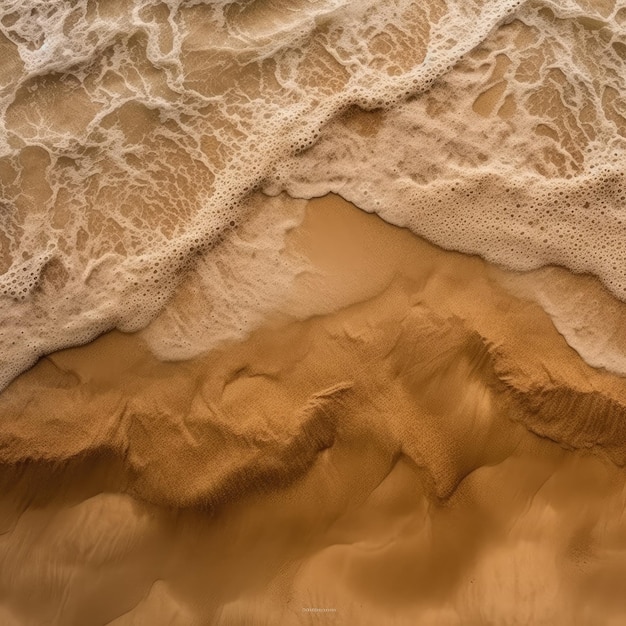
pixel 422 447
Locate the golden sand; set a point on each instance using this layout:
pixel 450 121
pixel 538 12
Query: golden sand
pixel 423 448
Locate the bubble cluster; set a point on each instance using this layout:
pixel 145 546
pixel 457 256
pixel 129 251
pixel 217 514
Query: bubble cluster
pixel 135 133
pixel 518 154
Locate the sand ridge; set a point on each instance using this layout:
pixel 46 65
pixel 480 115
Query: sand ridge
pixel 417 446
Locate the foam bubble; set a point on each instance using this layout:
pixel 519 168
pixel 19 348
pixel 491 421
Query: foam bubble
pixel 517 154
pixel 135 132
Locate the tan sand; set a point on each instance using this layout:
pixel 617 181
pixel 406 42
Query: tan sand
pixel 423 448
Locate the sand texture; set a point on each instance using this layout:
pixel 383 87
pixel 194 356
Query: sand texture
pixel 312 312
pixel 429 451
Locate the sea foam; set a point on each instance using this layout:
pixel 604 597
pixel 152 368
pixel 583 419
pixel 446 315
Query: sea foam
pixel 134 133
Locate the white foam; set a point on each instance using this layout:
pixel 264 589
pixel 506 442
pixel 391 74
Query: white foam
pixel 228 293
pixel 133 135
pixel 534 177
pixel 592 321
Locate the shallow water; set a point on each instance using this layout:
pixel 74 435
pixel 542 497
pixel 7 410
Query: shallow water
pixel 133 135
pixel 321 417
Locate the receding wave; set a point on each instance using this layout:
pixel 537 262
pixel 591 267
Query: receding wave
pixel 134 134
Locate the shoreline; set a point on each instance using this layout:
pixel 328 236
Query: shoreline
pixel 377 456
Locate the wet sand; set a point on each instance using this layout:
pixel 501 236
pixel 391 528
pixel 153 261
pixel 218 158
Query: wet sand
pixel 407 440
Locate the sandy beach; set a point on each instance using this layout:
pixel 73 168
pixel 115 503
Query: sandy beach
pixel 312 312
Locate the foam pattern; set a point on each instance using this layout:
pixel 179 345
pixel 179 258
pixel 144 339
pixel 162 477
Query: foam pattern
pixel 134 133
pixel 517 154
